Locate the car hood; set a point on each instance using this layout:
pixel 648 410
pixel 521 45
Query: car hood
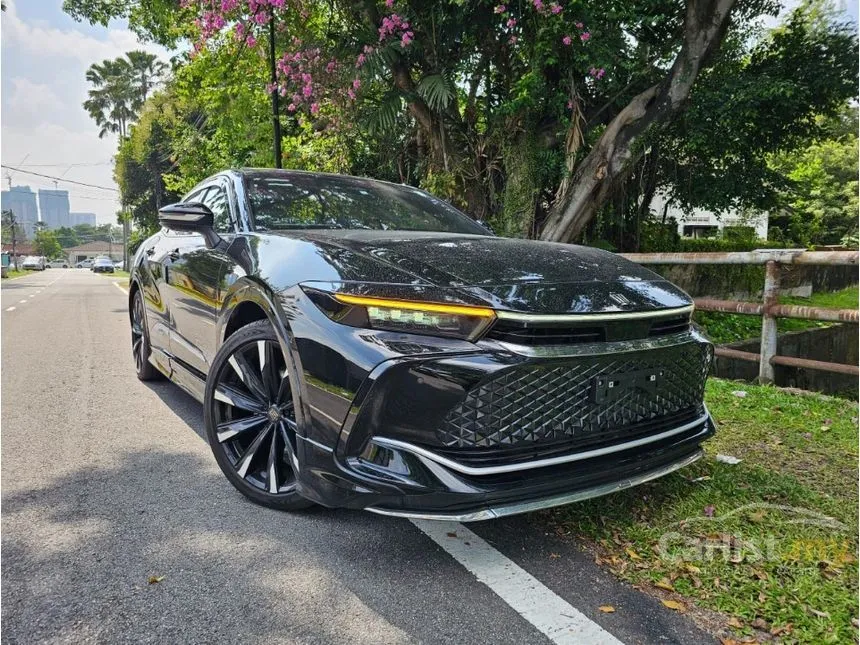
pixel 512 274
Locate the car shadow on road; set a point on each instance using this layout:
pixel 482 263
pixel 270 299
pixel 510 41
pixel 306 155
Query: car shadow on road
pixel 157 547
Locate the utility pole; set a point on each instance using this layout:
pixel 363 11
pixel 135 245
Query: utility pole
pixel 276 120
pixel 13 223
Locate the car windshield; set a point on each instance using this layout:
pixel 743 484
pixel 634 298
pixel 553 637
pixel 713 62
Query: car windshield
pixel 103 261
pixel 281 202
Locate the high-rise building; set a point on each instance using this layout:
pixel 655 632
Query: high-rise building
pixel 82 218
pixel 54 207
pixel 22 201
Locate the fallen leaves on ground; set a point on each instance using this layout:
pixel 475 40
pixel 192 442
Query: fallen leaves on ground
pixel 154 580
pixel 607 609
pixel 674 604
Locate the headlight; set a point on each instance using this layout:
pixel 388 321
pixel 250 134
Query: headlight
pixel 414 317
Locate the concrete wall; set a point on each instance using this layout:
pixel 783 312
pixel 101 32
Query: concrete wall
pixel 837 344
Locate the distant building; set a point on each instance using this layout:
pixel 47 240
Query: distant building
pixel 82 218
pixel 702 223
pixel 54 207
pixel 94 249
pixel 22 201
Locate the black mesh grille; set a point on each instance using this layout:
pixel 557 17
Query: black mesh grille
pixel 575 403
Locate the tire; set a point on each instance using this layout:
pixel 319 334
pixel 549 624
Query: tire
pixel 140 350
pixel 251 427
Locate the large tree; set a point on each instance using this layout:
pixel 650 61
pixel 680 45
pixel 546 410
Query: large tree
pixel 538 115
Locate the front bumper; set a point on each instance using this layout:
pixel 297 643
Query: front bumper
pixel 494 432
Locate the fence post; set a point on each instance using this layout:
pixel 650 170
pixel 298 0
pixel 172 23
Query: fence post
pixel 768 322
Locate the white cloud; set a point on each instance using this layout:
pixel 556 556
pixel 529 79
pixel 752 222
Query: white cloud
pixel 44 86
pixel 45 41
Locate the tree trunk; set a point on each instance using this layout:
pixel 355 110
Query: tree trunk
pixel 619 148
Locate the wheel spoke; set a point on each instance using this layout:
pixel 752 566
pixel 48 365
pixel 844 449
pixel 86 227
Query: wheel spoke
pixel 246 459
pixel 272 466
pixel 266 352
pixel 284 391
pixel 248 377
pixel 287 427
pixel 230 429
pixel 231 396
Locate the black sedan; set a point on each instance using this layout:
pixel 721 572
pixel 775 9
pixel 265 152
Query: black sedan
pixel 361 344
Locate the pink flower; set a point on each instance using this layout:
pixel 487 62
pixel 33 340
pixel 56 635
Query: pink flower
pixel 291 107
pixel 512 22
pixel 555 8
pixel 350 93
pixel 406 38
pixel 251 41
pixel 512 40
pixel 307 90
pixel 360 61
pixel 538 4
pixel 600 73
pixel 579 25
pixel 315 108
pixel 330 67
pixel 500 9
pixel 356 83
pixel 389 3
pixel 567 40
pixel 584 36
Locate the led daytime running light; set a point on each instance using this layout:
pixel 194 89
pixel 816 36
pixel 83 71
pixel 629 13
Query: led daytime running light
pixel 438 307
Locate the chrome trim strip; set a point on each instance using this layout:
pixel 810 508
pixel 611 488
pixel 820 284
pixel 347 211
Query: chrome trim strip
pixel 536 505
pixel 540 463
pixel 315 443
pixel 615 315
pixel 594 349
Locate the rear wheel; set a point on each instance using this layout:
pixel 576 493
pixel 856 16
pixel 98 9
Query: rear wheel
pixel 250 418
pixel 146 371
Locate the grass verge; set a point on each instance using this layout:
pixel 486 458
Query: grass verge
pixel 770 543
pixel 116 274
pixel 15 274
pixel 728 328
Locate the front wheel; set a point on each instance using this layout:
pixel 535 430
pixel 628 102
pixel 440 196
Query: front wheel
pixel 250 418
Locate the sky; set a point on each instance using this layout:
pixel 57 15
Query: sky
pixel 45 55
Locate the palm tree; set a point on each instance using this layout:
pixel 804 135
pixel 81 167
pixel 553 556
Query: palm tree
pixel 146 70
pixel 112 98
pixel 119 89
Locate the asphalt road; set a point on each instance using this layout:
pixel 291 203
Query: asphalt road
pixel 106 482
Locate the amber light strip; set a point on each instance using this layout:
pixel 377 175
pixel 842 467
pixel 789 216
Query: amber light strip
pixel 457 310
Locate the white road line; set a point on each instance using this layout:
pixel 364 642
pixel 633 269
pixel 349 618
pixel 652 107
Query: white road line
pixel 32 295
pixel 554 617
pixel 21 302
pixel 11 309
pixel 116 284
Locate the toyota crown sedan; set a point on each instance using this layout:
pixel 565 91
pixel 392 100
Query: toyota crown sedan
pixel 365 345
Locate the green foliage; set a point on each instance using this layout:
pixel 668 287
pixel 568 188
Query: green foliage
pixel 45 243
pixel 821 203
pixel 67 237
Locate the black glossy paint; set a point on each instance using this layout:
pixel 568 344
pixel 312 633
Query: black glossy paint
pixel 197 293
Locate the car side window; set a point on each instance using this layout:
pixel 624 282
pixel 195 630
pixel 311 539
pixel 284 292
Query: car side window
pixel 216 200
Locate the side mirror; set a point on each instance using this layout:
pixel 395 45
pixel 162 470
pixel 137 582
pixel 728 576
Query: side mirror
pixel 190 216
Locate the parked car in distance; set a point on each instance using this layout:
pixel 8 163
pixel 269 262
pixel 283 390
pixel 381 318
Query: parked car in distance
pixel 84 264
pixel 59 263
pixel 102 265
pixel 362 344
pixel 33 263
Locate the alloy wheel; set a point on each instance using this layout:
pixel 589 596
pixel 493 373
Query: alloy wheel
pixel 254 417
